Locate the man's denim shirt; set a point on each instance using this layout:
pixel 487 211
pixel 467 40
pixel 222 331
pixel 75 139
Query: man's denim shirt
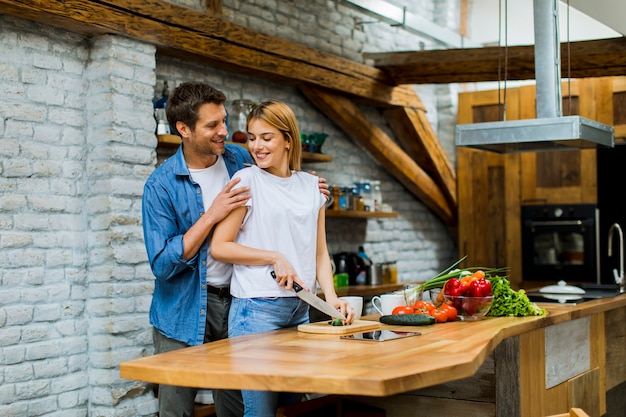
pixel 172 203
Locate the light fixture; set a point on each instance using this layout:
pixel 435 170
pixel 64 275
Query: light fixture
pixel 550 130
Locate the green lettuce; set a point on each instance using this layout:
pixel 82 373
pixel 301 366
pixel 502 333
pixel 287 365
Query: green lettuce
pixel 508 302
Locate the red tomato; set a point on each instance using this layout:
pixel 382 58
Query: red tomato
pixel 403 310
pixel 425 307
pixel 452 312
pixel 441 316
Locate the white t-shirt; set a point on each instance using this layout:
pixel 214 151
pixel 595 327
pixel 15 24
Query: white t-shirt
pixel 212 180
pixel 282 216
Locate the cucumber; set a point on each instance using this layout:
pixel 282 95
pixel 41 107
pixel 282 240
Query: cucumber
pixel 408 319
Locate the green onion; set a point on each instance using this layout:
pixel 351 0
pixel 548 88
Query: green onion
pixel 440 279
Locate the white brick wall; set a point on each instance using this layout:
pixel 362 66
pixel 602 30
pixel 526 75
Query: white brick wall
pixel 76 145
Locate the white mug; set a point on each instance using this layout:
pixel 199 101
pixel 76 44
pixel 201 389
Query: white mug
pixel 387 302
pixel 356 302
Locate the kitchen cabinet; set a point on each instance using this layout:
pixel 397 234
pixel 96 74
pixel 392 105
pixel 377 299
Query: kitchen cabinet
pixel 618 102
pixel 561 177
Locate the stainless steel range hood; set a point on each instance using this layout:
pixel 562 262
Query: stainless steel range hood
pixel 550 131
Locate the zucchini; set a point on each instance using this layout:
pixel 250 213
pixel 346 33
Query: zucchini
pixel 408 319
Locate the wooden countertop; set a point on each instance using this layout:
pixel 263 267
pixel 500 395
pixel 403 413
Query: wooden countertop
pixel 288 360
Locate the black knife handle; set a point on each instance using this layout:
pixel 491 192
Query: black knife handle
pixel 297 287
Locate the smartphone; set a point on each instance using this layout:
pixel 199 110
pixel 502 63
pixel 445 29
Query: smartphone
pixel 379 335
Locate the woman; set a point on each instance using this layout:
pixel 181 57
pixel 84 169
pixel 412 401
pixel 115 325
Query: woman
pixel 281 229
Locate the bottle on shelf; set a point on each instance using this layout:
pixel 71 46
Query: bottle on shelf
pixel 346 198
pixel 241 109
pixel 363 275
pixel 393 272
pixel 365 190
pixel 376 195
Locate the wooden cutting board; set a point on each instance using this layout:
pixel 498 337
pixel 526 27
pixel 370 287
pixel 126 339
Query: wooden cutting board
pixel 324 327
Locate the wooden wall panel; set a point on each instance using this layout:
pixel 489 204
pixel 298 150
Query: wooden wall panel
pixel 532 373
pixel 615 347
pixel 488 189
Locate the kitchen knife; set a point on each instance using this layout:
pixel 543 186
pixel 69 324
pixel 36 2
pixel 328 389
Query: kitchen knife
pixel 314 301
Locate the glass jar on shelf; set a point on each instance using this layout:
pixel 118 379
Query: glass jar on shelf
pixel 365 191
pixel 237 120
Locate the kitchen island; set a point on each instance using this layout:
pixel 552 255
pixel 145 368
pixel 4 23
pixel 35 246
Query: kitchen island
pixel 527 367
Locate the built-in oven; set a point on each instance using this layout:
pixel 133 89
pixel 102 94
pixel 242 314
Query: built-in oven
pixel 560 242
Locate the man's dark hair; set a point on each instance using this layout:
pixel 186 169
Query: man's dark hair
pixel 183 104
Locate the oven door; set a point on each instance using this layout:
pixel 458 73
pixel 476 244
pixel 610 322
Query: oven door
pixel 560 249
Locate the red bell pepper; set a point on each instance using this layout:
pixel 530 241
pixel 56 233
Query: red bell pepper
pixel 452 287
pixel 479 288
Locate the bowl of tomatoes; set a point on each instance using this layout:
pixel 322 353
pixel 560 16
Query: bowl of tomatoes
pixel 471 296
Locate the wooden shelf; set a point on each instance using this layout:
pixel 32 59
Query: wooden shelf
pixel 370 290
pixel 316 157
pixel 355 214
pixel 169 141
pixel 306 156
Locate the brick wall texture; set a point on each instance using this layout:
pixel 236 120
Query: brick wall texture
pixel 77 142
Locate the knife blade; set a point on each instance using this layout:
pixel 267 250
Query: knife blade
pixel 314 301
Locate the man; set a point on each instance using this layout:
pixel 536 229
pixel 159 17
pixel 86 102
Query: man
pixel 183 200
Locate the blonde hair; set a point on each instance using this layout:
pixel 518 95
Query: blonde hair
pixel 280 116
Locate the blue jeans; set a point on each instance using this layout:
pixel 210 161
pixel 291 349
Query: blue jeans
pixel 179 401
pixel 256 315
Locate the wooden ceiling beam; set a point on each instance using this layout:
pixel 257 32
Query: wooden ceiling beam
pixel 416 136
pixel 186 32
pixel 348 116
pixel 597 58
